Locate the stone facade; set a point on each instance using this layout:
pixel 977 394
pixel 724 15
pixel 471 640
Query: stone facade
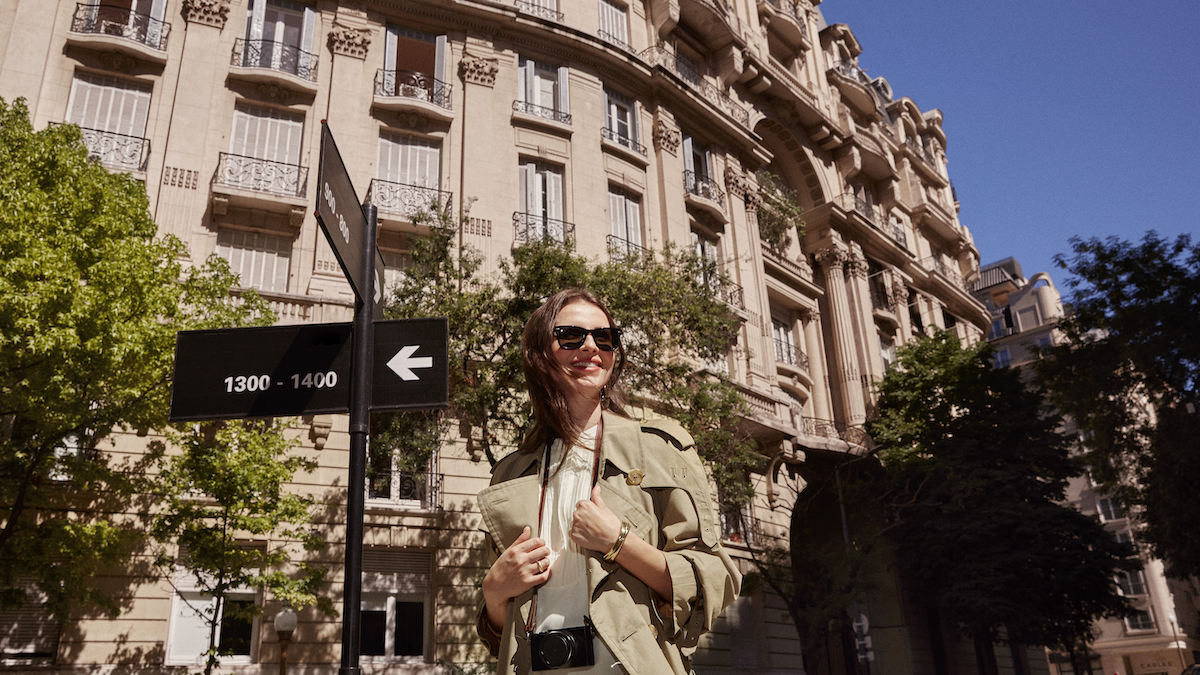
pixel 670 105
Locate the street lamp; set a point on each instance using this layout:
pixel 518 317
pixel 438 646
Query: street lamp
pixel 285 623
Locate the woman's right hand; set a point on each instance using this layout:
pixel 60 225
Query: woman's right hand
pixel 522 566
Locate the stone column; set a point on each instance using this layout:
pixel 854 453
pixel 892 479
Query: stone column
pixel 833 261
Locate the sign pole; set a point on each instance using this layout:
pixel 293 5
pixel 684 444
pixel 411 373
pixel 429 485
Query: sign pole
pixel 360 426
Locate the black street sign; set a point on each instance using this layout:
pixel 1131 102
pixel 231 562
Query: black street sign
pixel 340 215
pixel 303 370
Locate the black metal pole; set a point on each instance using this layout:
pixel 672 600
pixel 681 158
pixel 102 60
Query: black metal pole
pixel 360 426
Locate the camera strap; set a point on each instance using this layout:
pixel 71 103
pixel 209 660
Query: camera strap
pixel 529 623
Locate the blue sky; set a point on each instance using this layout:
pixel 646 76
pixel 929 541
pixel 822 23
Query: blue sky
pixel 1063 117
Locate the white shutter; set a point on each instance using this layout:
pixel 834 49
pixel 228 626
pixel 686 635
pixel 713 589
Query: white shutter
pixel 189 627
pixel 109 104
pixel 613 21
pixel 389 48
pixel 689 162
pixel 267 134
pixel 554 194
pixel 564 91
pixel 310 27
pixel 158 9
pixel 633 221
pixel 616 214
pixel 411 161
pixel 439 59
pixel 262 261
pixel 255 18
pixel 526 78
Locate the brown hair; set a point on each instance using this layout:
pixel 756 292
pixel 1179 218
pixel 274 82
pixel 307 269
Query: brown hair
pixel 551 418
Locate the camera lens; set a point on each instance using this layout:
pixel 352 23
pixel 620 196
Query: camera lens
pixel 557 648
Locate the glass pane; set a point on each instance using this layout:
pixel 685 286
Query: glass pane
pixel 237 628
pixel 410 628
pixel 372 641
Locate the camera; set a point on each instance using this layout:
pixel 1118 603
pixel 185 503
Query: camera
pixel 563 648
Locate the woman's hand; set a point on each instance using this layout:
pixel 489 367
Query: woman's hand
pixel 594 526
pixel 522 566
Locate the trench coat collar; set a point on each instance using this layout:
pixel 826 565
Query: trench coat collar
pixel 620 440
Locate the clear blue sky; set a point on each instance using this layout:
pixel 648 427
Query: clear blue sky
pixel 1063 117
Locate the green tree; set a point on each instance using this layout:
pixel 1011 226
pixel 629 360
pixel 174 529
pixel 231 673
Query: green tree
pixel 1127 375
pixel 979 470
pixel 778 214
pixel 90 303
pixel 222 493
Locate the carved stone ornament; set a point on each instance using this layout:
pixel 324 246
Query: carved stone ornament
pixel 208 12
pixel 754 200
pixel 478 70
pixel 349 41
pixel 735 182
pixel 117 61
pixel 833 258
pixel 412 120
pixel 273 92
pixel 666 138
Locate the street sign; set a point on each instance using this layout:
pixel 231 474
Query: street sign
pixel 304 370
pixel 340 215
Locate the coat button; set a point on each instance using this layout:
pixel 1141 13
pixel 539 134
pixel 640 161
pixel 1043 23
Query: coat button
pixel 653 630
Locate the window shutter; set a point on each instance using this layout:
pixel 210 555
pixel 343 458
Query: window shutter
pixel 389 49
pixel 689 161
pixel 158 9
pixel 261 261
pixel 109 104
pixel 255 19
pixel 564 93
pixel 616 214
pixel 633 123
pixel 439 59
pixel 525 82
pixel 554 194
pixel 310 27
pixel 528 187
pixel 633 221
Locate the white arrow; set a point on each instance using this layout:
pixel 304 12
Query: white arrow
pixel 403 363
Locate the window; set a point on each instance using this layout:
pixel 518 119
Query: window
pixel 614 24
pixel 697 160
pixel 279 36
pixel 1139 619
pixel 389 486
pixel 29 634
pixel 543 91
pixel 264 152
pixel 137 20
pixel 541 203
pixel 887 351
pixel 620 121
pixel 705 249
pixel 1044 342
pixel 785 341
pixel 414 64
pixel 397 606
pixel 261 261
pixel 1110 509
pixel 112 113
pixel 409 171
pixel 1001 359
pixel 394 265
pixel 189 629
pixel 1131 582
pixel 625 225
pixel 1029 318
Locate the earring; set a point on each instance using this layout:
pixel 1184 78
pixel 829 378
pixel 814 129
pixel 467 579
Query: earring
pixel 603 395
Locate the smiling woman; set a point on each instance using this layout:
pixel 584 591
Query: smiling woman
pixel 606 558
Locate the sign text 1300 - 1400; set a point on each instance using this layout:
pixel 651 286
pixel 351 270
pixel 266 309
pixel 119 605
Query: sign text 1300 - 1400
pixel 237 384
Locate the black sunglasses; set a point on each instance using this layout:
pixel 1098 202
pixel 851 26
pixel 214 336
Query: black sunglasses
pixel 573 337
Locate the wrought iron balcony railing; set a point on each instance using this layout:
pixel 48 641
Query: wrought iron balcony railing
pixel 658 55
pixel 851 71
pixel 408 200
pixel 919 150
pixel 116 151
pixel 121 22
pixel 789 8
pixel 623 141
pixel 831 429
pixel 261 175
pixel 739 528
pixel 790 354
pixel 278 56
pixel 865 208
pixel 409 84
pixel 615 41
pixel 406 489
pixel 935 264
pixel 539 10
pixel 623 250
pixel 899 236
pixel 542 111
pixel 531 227
pixel 703 186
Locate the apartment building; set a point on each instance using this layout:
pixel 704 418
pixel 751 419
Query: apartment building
pixel 1162 635
pixel 607 125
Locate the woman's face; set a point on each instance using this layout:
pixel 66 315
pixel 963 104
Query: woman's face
pixel 587 368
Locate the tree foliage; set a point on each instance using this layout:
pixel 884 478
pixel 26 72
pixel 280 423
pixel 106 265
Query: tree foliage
pixel 221 494
pixel 1127 375
pixel 90 303
pixel 673 315
pixel 779 214
pixel 979 471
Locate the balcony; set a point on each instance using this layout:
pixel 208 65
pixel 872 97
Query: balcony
pixel 406 201
pixel 542 116
pixel 540 11
pixel 790 355
pixel 899 236
pixel 624 145
pixel 276 63
pixel 854 85
pixel 659 56
pixel 618 42
pixel 405 90
pixel 830 429
pixel 116 151
pixel 132 33
pixel 259 183
pixel 786 21
pixel 860 206
pixel 936 265
pixel 713 21
pixel 405 490
pixel 740 529
pixel 530 227
pixel 702 191
pixel 624 251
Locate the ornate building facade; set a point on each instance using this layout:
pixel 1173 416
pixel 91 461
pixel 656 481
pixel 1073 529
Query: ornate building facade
pixel 548 117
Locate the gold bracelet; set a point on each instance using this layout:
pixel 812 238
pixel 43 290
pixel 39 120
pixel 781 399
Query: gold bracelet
pixel 611 556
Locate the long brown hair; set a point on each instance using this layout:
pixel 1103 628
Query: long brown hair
pixel 551 416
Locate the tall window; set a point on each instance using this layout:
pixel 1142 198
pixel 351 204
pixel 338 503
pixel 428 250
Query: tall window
pixel 1131 582
pixel 189 627
pixel 414 64
pixel 887 351
pixel 1110 509
pixel 784 338
pixel 264 133
pixel 625 225
pixel 614 24
pixel 1001 359
pixel 261 261
pixel 410 160
pixel 705 249
pixel 544 90
pixel 1139 619
pixel 388 485
pixel 29 634
pixel 620 120
pixel 137 20
pixel 279 35
pixel 397 607
pixel 541 198
pixel 697 159
pixel 112 113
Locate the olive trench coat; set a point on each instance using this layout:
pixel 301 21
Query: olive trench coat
pixel 652 479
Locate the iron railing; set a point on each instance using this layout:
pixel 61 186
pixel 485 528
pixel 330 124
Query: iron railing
pixel 936 265
pixel 408 200
pixel 542 111
pixel 739 528
pixel 790 354
pixel 409 84
pixel 623 141
pixel 920 150
pixel 789 8
pixel 116 151
pixel 865 208
pixel 851 71
pixel 279 56
pixel 120 22
pixel 831 429
pixel 614 41
pixel 539 10
pixel 531 227
pixel 899 235
pixel 625 251
pixel 406 488
pixel 261 175
pixel 659 56
pixel 703 186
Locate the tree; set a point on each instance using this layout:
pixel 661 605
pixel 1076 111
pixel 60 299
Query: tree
pixel 1127 375
pixel 979 469
pixel 90 303
pixel 778 214
pixel 226 486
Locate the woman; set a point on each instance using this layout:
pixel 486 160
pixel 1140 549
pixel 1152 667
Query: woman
pixel 604 535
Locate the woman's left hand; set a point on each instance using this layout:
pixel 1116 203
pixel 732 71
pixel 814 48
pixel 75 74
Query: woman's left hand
pixel 594 526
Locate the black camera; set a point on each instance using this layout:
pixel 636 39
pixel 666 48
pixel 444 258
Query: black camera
pixel 563 648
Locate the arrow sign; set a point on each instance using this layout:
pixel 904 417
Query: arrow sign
pixel 404 361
